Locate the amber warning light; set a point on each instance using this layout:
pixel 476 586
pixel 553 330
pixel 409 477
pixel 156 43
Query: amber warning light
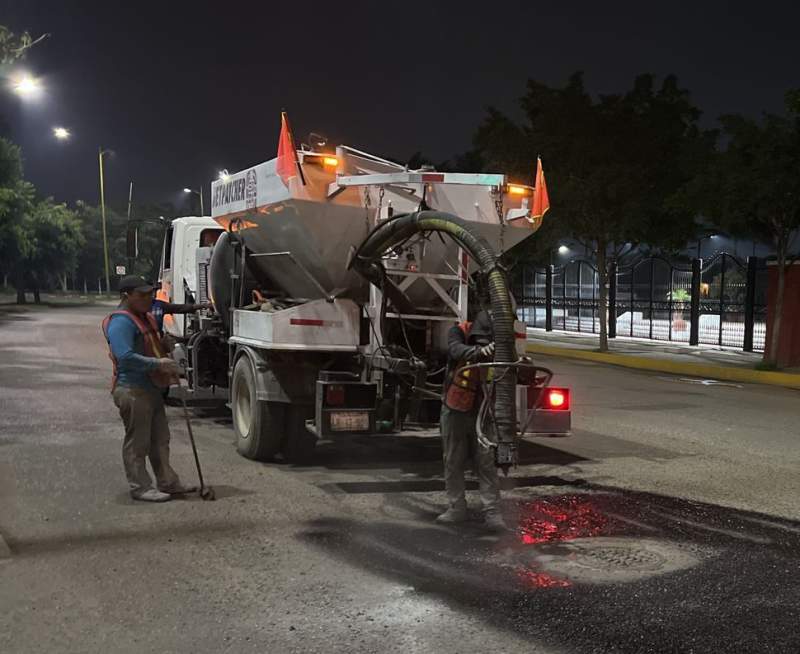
pixel 330 162
pixel 517 189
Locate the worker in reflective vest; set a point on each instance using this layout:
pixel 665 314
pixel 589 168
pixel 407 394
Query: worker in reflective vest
pixel 467 343
pixel 140 372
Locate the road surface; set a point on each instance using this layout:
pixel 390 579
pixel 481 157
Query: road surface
pixel 669 522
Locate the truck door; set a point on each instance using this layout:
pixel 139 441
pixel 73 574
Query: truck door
pixel 166 292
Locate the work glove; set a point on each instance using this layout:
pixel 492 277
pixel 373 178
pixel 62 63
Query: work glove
pixel 487 351
pixel 168 366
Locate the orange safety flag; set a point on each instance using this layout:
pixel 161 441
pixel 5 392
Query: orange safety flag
pixel 287 165
pixel 541 202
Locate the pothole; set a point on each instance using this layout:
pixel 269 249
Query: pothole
pixel 609 560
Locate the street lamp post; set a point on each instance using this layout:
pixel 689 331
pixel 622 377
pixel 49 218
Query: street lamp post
pixel 100 153
pixel 196 192
pixel 700 243
pixel 131 259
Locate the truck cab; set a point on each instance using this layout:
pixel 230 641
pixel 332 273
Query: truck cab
pixel 178 271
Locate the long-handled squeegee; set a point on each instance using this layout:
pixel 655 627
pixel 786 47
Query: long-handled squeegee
pixel 205 492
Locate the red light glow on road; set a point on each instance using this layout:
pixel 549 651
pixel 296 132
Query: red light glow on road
pixel 560 519
pixel 541 579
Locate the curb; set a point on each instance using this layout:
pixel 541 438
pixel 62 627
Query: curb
pixel 706 371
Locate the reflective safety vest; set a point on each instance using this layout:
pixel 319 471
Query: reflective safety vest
pixel 152 345
pixel 462 387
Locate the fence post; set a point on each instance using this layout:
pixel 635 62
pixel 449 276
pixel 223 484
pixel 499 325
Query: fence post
pixel 652 293
pixel 522 298
pixel 721 299
pixel 534 298
pixel 595 278
pixel 548 302
pixel 612 301
pixel 633 296
pixel 750 303
pixel 564 311
pixel 580 267
pixel 694 313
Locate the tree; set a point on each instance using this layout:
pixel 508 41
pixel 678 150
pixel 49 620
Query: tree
pixel 10 188
pixel 150 227
pixel 54 241
pixel 90 266
pixel 613 164
pixel 16 200
pixel 14 46
pixel 755 188
pixel 41 242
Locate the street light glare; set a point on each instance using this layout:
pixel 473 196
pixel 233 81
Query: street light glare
pixel 224 175
pixel 198 193
pixel 563 249
pixel 61 133
pixel 26 86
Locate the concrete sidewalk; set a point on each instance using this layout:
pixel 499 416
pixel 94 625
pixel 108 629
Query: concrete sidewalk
pixel 704 361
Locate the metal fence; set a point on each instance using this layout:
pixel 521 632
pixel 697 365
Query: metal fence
pixel 718 302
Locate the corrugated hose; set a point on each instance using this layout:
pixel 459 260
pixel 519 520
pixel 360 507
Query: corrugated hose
pixel 391 233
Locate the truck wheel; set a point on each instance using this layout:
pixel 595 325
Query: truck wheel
pixel 300 443
pixel 259 425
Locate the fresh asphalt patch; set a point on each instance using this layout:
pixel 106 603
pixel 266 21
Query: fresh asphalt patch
pixel 599 569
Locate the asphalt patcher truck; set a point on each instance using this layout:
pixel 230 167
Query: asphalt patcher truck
pixel 334 282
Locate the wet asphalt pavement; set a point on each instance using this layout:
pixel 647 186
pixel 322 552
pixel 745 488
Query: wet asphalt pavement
pixel 669 522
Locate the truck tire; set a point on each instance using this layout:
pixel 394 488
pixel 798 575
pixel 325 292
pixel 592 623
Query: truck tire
pixel 259 425
pixel 299 445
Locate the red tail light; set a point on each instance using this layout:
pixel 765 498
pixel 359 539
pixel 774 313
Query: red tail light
pixel 334 395
pixel 556 399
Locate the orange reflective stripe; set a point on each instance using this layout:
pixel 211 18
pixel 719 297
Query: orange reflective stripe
pixel 111 356
pixel 155 344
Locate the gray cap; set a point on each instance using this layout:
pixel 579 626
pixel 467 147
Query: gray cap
pixel 482 330
pixel 135 283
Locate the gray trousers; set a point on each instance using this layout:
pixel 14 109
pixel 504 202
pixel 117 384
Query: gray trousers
pixel 459 443
pixel 146 436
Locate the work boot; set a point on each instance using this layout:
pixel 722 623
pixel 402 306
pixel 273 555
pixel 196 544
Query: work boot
pixel 494 520
pixel 455 514
pixel 152 495
pixel 179 489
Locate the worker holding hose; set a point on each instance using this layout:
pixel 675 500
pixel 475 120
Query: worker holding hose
pixel 163 308
pixel 140 371
pixel 467 343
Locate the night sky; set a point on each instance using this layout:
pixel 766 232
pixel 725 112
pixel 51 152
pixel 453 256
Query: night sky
pixel 180 90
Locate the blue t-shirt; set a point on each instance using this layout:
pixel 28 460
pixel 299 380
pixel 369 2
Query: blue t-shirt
pixel 158 313
pixel 127 346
